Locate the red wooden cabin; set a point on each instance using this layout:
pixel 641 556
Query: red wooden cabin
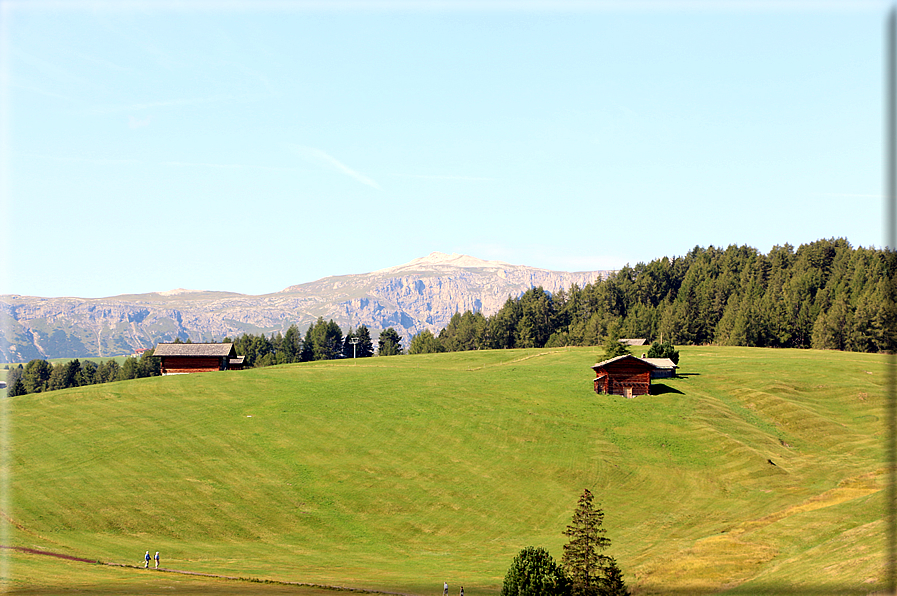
pixel 623 375
pixel 178 359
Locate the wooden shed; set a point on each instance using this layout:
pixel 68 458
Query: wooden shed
pixel 623 375
pixel 666 368
pixel 178 359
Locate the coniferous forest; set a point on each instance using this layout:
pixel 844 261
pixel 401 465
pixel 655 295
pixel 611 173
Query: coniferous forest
pixel 824 295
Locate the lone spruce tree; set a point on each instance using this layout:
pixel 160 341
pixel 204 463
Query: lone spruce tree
pixel 582 561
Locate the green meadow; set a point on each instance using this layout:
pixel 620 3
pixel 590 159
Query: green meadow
pixel 756 471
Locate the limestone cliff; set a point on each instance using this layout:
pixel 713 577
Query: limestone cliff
pixel 422 294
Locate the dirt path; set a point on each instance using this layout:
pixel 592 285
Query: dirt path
pixel 33 551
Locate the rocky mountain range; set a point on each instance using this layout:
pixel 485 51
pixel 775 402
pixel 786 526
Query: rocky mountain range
pixel 422 294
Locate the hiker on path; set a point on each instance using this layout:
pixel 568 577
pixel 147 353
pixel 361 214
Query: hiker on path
pixel 146 558
pixel 157 562
pixel 444 588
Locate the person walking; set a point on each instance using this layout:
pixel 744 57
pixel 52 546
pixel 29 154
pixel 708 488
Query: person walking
pixel 157 562
pixel 444 588
pixel 462 590
pixel 146 559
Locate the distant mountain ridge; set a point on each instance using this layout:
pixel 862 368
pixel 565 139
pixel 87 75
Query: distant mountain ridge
pixel 422 294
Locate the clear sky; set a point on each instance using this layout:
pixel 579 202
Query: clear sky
pixel 247 147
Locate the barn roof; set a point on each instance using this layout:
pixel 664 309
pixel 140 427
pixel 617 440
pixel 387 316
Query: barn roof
pixel 633 341
pixel 198 350
pixel 624 357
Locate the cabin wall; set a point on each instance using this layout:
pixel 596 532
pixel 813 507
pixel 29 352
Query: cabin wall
pixel 618 378
pixel 640 384
pixel 173 365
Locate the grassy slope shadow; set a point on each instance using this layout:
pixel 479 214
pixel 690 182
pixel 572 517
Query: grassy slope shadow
pixel 662 388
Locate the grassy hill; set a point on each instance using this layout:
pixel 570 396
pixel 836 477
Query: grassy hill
pixel 400 473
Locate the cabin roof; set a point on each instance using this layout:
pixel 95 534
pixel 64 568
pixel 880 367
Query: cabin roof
pixel 197 350
pixel 661 362
pixel 633 341
pixel 624 357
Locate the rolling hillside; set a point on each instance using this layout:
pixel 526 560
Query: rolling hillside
pixel 756 470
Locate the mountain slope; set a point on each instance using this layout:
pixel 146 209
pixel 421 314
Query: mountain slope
pixel 421 294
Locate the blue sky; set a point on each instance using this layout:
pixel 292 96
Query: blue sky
pixel 245 147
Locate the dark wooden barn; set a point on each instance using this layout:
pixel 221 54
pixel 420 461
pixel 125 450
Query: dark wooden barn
pixel 178 359
pixel 623 375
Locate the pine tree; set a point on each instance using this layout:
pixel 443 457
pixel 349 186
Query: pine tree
pixel 365 345
pixel 73 373
pixel 128 370
pixel 612 345
pixel 107 371
pixel 613 584
pixel 148 365
pixel 17 388
pixel 36 376
pixel 582 561
pixel 308 345
pixel 292 345
pixel 425 343
pixel 57 378
pixel 14 384
pixel 88 373
pixel 350 350
pixel 390 343
pixel 664 350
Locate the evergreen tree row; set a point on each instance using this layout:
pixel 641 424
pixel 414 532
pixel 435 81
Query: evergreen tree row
pixel 39 376
pixel 824 295
pixel 322 341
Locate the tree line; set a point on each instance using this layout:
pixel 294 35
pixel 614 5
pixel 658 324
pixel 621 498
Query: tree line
pixel 39 376
pixel 322 341
pixel 823 295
